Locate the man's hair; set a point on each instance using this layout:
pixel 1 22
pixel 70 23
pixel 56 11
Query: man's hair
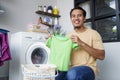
pixel 78 8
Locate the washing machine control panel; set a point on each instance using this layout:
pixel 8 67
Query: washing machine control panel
pixel 36 37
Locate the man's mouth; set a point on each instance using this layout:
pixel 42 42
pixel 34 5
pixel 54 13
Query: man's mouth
pixel 77 21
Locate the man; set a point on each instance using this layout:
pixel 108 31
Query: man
pixel 83 60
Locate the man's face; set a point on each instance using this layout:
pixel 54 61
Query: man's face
pixel 77 18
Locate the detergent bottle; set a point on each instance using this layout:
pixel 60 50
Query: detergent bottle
pixel 55 11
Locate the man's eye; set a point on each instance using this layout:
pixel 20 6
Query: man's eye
pixel 73 16
pixel 79 15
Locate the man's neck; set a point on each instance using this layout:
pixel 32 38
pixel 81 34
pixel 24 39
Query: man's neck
pixel 80 29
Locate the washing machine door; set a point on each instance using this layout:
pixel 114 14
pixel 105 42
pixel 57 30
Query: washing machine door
pixel 37 53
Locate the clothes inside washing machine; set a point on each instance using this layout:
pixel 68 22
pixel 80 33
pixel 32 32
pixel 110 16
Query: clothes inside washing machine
pixel 38 56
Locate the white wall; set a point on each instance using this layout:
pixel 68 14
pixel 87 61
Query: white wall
pixel 65 6
pixel 4 69
pixel 110 67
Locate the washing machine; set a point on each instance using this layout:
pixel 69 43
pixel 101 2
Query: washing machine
pixel 27 48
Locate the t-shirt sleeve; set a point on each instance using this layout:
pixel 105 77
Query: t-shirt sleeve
pixel 97 41
pixel 48 43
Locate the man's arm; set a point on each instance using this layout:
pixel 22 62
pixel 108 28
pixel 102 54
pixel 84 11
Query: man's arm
pixel 96 53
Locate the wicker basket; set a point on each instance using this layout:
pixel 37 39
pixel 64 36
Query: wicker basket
pixel 39 72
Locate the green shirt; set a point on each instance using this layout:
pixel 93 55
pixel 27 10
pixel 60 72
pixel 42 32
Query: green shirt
pixel 60 50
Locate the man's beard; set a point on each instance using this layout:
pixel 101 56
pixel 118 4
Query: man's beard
pixel 76 27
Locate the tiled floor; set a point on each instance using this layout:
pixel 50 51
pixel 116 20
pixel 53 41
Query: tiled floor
pixel 3 78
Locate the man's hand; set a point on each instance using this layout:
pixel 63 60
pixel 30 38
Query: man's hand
pixel 48 36
pixel 75 39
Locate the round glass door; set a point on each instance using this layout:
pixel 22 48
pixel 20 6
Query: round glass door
pixel 39 56
pixel 37 53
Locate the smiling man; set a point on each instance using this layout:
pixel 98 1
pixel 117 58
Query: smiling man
pixel 83 60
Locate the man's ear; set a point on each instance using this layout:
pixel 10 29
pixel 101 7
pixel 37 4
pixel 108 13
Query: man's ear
pixel 84 19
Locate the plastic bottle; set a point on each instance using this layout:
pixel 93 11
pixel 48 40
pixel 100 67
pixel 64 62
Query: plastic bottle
pixel 39 8
pixel 49 9
pixel 45 9
pixel 55 11
pixel 56 21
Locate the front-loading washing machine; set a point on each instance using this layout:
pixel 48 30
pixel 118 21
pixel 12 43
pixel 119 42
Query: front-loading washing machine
pixel 27 48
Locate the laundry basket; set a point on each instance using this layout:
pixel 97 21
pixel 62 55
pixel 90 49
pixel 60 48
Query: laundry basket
pixel 39 72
